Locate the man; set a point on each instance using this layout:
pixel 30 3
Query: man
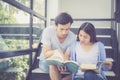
pixel 57 40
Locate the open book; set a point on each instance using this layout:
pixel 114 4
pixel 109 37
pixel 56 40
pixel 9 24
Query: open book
pixel 94 67
pixel 58 60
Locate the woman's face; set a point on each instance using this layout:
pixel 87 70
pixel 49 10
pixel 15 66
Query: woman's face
pixel 84 37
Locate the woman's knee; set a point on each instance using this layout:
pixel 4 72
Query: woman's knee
pixel 89 74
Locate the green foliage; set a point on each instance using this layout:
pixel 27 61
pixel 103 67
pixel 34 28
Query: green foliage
pixel 20 63
pixel 6 18
pixel 6 14
pixel 17 44
pixel 3 76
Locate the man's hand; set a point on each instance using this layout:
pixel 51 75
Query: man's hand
pixel 62 69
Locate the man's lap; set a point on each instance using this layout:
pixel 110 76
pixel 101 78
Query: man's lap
pixel 43 65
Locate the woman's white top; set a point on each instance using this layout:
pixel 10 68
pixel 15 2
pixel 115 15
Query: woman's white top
pixel 87 57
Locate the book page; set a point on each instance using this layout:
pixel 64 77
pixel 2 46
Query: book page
pixel 71 61
pixel 56 57
pixel 88 66
pixel 93 67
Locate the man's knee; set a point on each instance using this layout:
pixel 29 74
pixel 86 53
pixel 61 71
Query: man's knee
pixel 54 73
pixel 53 68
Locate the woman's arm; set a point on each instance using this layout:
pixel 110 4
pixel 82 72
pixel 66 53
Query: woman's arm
pixel 102 57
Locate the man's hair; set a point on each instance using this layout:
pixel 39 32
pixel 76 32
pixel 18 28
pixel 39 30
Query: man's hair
pixel 90 30
pixel 63 18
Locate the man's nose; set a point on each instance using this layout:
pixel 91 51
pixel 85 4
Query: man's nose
pixel 64 32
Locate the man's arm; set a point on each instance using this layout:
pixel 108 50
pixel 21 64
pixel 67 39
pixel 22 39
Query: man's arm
pixel 67 55
pixel 47 51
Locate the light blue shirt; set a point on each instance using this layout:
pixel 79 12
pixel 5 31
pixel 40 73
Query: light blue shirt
pixel 101 54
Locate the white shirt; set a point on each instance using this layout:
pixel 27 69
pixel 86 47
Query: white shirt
pixel 88 57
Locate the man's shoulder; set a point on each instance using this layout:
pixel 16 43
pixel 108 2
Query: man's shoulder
pixel 71 34
pixel 49 30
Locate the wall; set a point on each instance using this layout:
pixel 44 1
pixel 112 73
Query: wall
pixel 87 8
pixel 81 9
pixel 52 10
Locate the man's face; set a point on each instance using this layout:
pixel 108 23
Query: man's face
pixel 62 30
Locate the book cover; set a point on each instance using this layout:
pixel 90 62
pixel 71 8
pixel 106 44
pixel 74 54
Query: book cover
pixel 57 59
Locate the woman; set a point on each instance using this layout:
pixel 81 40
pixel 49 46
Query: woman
pixel 88 50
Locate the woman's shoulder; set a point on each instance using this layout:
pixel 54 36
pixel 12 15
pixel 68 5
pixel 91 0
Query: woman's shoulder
pixel 100 43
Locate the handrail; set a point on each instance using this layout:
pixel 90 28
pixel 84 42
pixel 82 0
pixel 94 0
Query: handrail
pixel 91 19
pixel 8 54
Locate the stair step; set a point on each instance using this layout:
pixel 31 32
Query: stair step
pixel 107 73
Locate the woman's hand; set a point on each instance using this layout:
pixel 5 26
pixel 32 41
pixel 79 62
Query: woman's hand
pixel 108 65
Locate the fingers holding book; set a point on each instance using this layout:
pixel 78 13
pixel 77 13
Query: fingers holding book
pixel 108 65
pixel 59 53
pixel 62 68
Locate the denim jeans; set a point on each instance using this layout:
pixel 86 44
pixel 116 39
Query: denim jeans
pixel 43 66
pixel 89 75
